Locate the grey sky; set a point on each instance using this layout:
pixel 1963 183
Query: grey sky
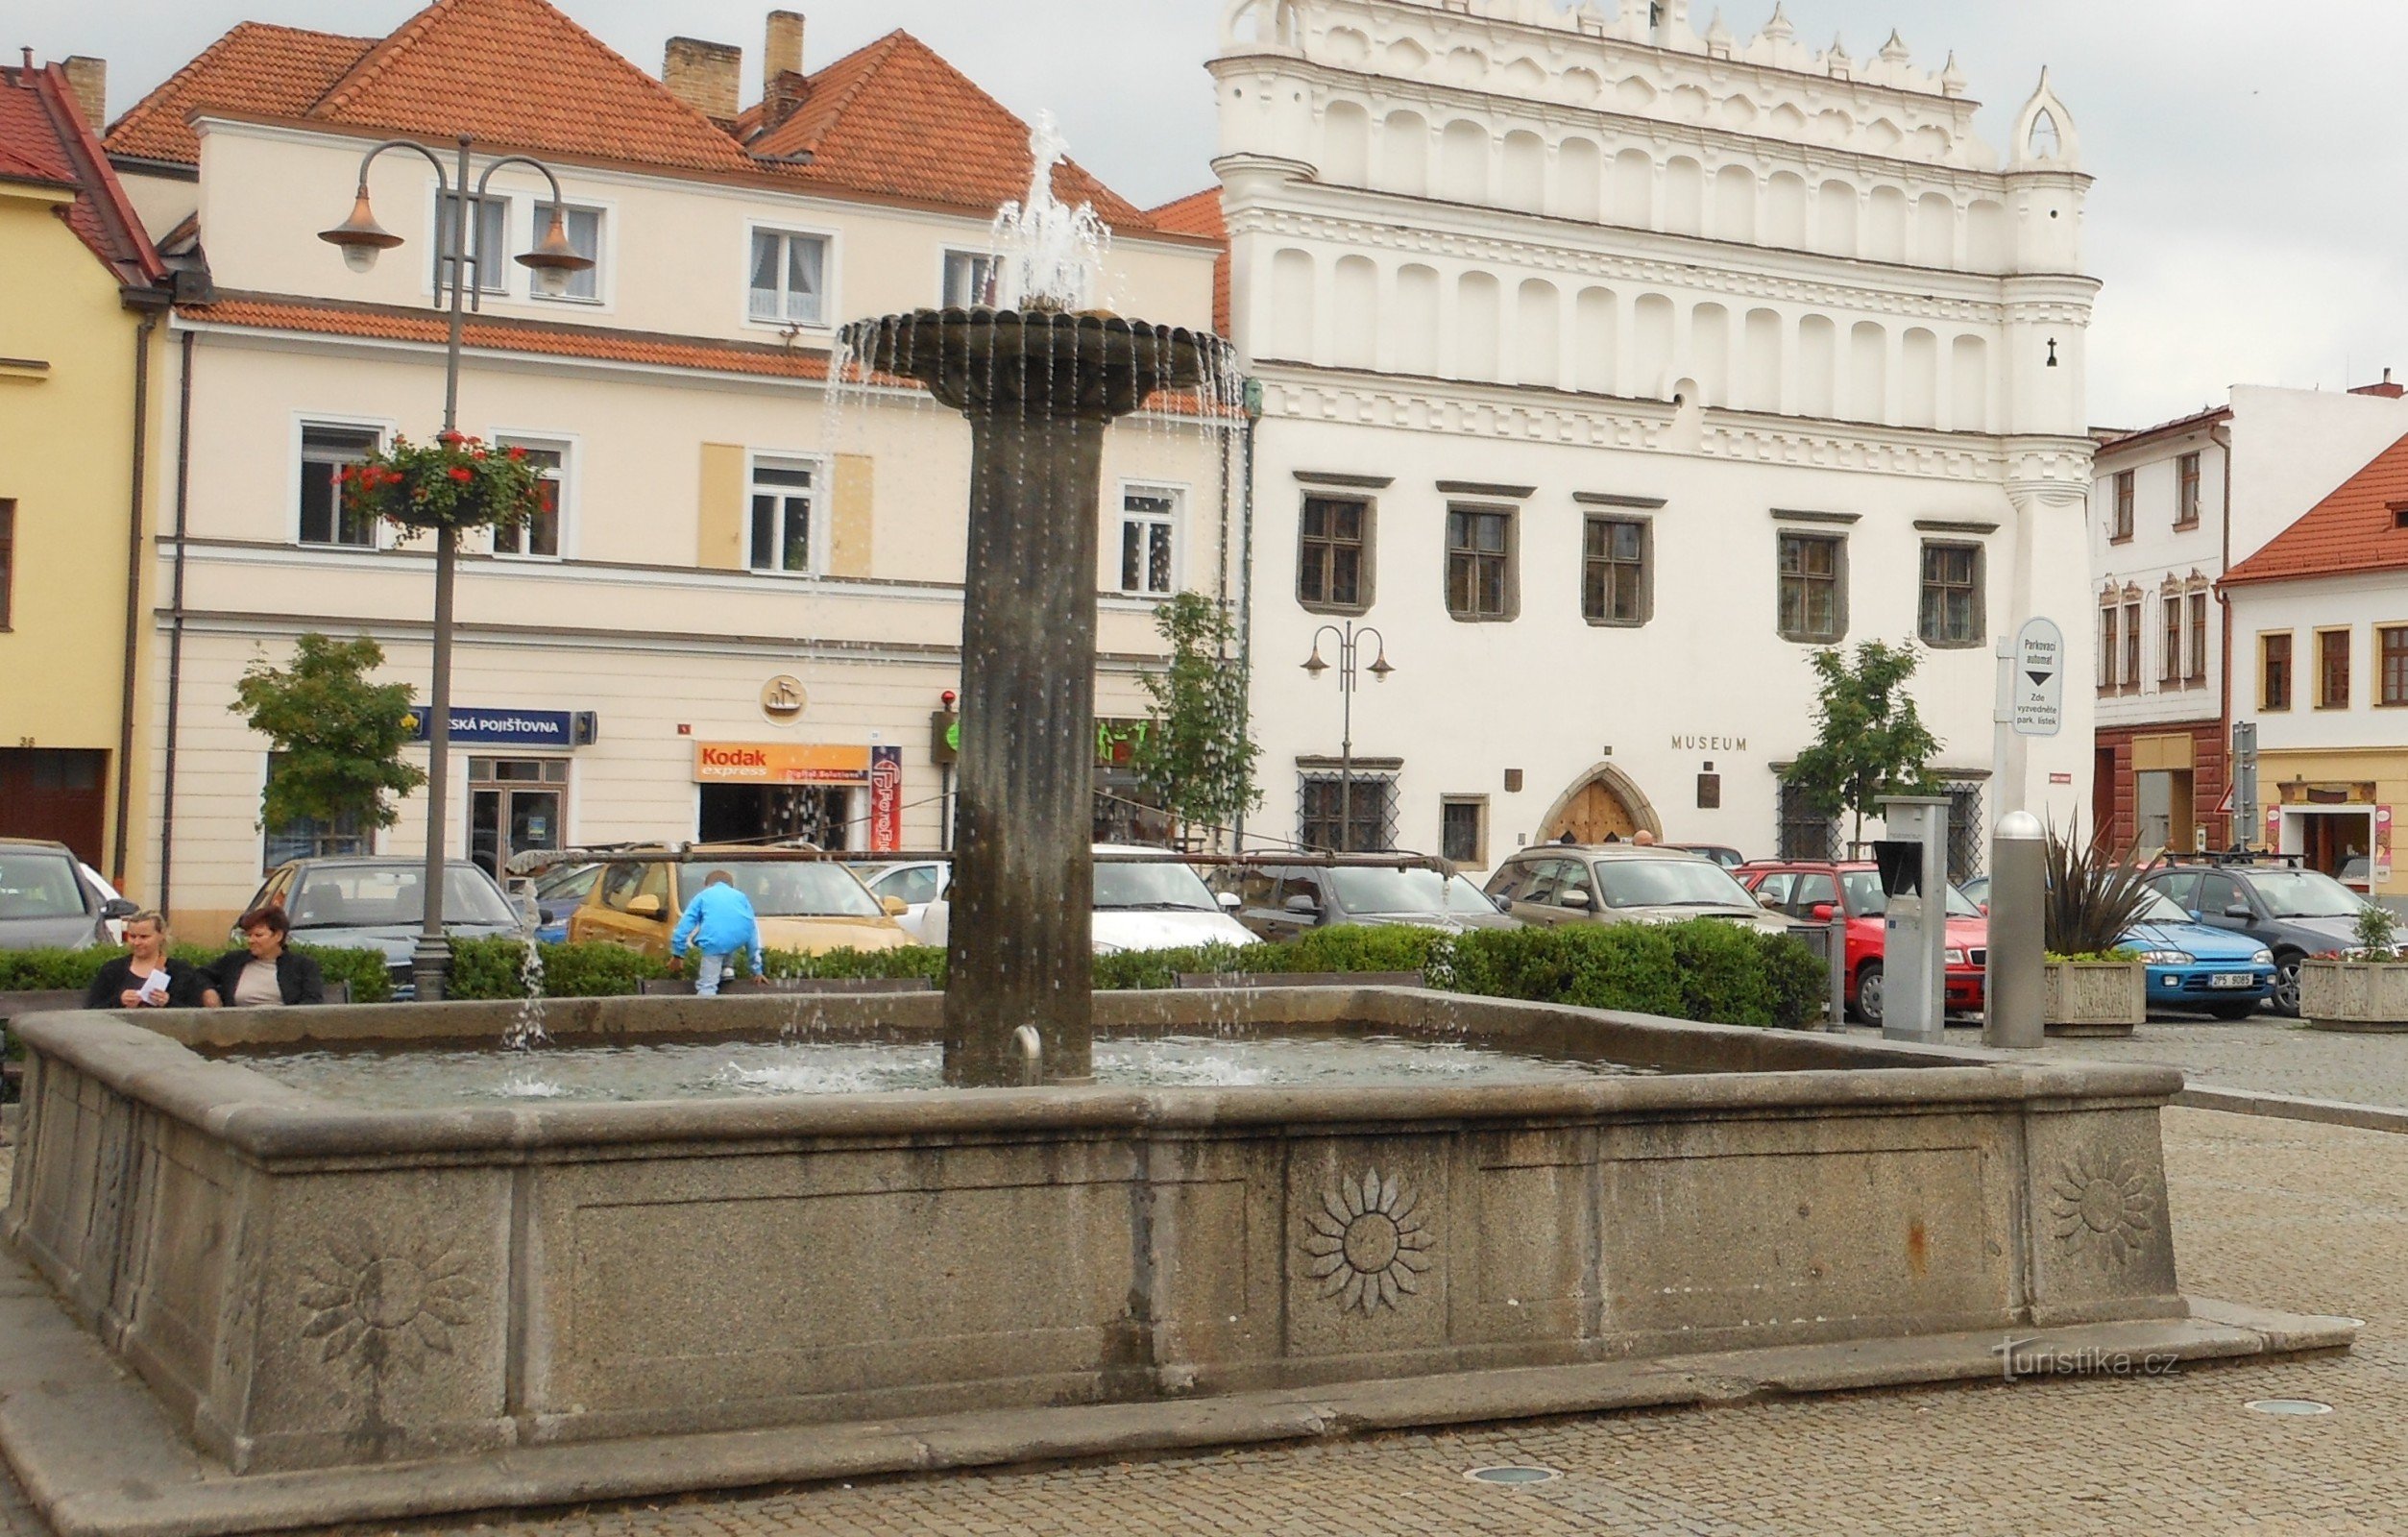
pixel 2246 218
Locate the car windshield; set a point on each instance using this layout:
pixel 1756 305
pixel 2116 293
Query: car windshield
pixel 40 886
pixel 1462 896
pixel 1668 882
pixel 2305 895
pixel 570 884
pixel 1362 889
pixel 1163 886
pixel 1867 900
pixel 376 896
pixel 789 888
pixel 2160 908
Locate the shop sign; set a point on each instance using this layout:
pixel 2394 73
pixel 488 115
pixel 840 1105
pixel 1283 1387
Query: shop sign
pixel 492 725
pixel 1116 741
pixel 779 762
pixel 885 799
pixel 2382 846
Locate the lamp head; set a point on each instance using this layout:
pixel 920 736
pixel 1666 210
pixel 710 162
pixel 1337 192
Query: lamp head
pixel 554 260
pixel 360 237
pixel 1381 666
pixel 1313 664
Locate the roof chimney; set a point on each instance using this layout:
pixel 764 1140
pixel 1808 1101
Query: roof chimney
pixel 704 75
pixel 88 78
pixel 2387 389
pixel 784 53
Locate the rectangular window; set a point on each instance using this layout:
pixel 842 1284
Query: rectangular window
pixel 2332 669
pixel 584 229
pixel 2197 674
pixel 2169 665
pixel 1951 613
pixel 1479 563
pixel 7 559
pixel 1813 600
pixel 489 243
pixel 309 837
pixel 781 515
pixel 1805 832
pixel 2391 643
pixel 539 535
pixel 789 276
pixel 2107 652
pixel 969 280
pixel 326 451
pixel 1613 571
pixel 1463 829
pixel 1333 551
pixel 1363 806
pixel 2123 527
pixel 2273 671
pixel 2131 647
pixel 2186 491
pixel 1149 540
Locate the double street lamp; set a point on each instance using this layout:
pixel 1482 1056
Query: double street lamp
pixel 552 261
pixel 1350 637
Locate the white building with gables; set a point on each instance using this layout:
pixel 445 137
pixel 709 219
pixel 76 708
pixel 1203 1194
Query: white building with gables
pixel 1609 370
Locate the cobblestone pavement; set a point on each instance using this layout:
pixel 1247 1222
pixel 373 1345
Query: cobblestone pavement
pixel 2270 1055
pixel 2281 1213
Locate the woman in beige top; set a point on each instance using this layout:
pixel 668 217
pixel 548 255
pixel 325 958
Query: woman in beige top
pixel 264 973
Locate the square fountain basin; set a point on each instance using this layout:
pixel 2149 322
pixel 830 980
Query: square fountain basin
pixel 310 1281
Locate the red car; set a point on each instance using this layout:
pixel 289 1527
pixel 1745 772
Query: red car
pixel 1806 889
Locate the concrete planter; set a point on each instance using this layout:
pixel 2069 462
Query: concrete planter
pixel 2096 997
pixel 2361 995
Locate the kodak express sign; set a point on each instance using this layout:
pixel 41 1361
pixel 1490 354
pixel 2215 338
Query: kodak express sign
pixel 779 762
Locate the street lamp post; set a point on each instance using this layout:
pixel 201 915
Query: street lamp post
pixel 553 259
pixel 1350 637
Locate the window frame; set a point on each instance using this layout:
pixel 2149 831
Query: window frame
pixel 1838 578
pixel 604 219
pixel 1478 806
pixel 2348 635
pixel 832 247
pixel 8 563
pixel 1509 593
pixel 493 276
pixel 1367 546
pixel 2169 633
pixel 565 444
pixel 2120 528
pixel 270 856
pixel 2110 650
pixel 1977 589
pixel 2195 605
pixel 1176 519
pixel 819 536
pixel 2132 653
pixel 2386 695
pixel 2267 672
pixel 1643 566
pixel 1384 785
pixel 379 537
pixel 945 258
pixel 2186 490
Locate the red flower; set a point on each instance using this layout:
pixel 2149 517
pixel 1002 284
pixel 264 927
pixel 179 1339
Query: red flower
pixel 517 453
pixel 447 439
pixel 462 473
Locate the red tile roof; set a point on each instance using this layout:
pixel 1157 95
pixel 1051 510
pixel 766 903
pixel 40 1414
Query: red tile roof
pixel 273 71
pixel 894 119
pixel 2354 529
pixel 43 138
pixel 1199 213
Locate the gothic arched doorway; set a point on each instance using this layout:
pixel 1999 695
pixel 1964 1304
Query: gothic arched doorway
pixel 1601 801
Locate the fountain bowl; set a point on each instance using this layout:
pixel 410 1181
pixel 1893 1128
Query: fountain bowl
pixel 1085 363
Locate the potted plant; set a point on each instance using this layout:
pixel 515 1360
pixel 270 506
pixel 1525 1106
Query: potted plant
pixel 2365 988
pixel 2093 983
pixel 455 482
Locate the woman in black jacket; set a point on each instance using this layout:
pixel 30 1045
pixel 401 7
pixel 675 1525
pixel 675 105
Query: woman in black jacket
pixel 264 974
pixel 147 978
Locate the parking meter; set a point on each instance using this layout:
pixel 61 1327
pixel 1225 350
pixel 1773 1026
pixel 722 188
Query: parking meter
pixel 1913 862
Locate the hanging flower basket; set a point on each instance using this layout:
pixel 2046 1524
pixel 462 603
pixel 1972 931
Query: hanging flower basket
pixel 455 482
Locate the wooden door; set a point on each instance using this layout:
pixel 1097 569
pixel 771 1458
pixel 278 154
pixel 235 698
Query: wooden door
pixel 58 793
pixel 1589 815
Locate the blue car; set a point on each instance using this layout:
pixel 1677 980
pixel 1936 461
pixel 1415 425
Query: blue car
pixel 2192 966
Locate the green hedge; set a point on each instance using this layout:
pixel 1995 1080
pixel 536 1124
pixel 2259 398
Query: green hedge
pixel 1703 969
pixel 54 970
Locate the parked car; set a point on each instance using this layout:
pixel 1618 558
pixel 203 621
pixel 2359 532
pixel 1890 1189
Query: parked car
pixel 2195 965
pixel 1280 901
pixel 558 892
pixel 366 903
pixel 1622 883
pixel 46 902
pixel 2295 913
pixel 1722 854
pixel 1156 903
pixel 914 882
pixel 1808 889
pixel 108 894
pixel 803 902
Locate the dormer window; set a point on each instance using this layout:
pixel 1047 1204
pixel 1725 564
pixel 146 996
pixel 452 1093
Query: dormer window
pixel 2399 514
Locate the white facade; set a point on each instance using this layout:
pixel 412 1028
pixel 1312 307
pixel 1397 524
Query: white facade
pixel 675 414
pixel 1497 259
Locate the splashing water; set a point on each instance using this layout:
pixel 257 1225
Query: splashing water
pixel 526 1030
pixel 1048 255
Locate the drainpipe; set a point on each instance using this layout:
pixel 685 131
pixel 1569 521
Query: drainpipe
pixel 2236 836
pixel 151 305
pixel 176 626
pixel 1246 567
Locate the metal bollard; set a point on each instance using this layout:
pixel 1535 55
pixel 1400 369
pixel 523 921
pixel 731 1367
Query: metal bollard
pixel 2013 1010
pixel 1836 945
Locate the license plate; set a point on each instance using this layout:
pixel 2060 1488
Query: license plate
pixel 2232 979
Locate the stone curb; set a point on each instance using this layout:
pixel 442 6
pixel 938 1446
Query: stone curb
pixel 98 1457
pixel 2293 1108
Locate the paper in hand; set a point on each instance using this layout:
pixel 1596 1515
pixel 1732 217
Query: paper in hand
pixel 154 989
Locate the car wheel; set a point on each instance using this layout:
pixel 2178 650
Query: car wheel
pixel 2286 999
pixel 2233 1011
pixel 1868 995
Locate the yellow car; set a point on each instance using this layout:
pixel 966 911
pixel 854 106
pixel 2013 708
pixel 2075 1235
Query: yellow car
pixel 802 902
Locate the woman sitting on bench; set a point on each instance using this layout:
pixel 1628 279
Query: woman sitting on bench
pixel 266 974
pixel 147 978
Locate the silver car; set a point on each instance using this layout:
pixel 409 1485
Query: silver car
pixel 1623 883
pixel 377 903
pixel 46 902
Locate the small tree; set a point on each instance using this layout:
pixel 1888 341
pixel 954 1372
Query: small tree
pixel 1870 739
pixel 338 736
pixel 1198 753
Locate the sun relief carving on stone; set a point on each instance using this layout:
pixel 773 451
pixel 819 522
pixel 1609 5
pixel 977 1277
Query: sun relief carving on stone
pixel 2102 1200
pixel 1370 1242
pixel 382 1306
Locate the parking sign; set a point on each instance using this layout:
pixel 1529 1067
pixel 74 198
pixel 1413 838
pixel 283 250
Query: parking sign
pixel 2036 686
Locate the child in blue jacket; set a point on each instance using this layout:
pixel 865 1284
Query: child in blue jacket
pixel 719 924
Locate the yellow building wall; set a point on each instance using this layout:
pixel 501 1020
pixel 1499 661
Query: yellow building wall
pixel 67 460
pixel 2386 768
